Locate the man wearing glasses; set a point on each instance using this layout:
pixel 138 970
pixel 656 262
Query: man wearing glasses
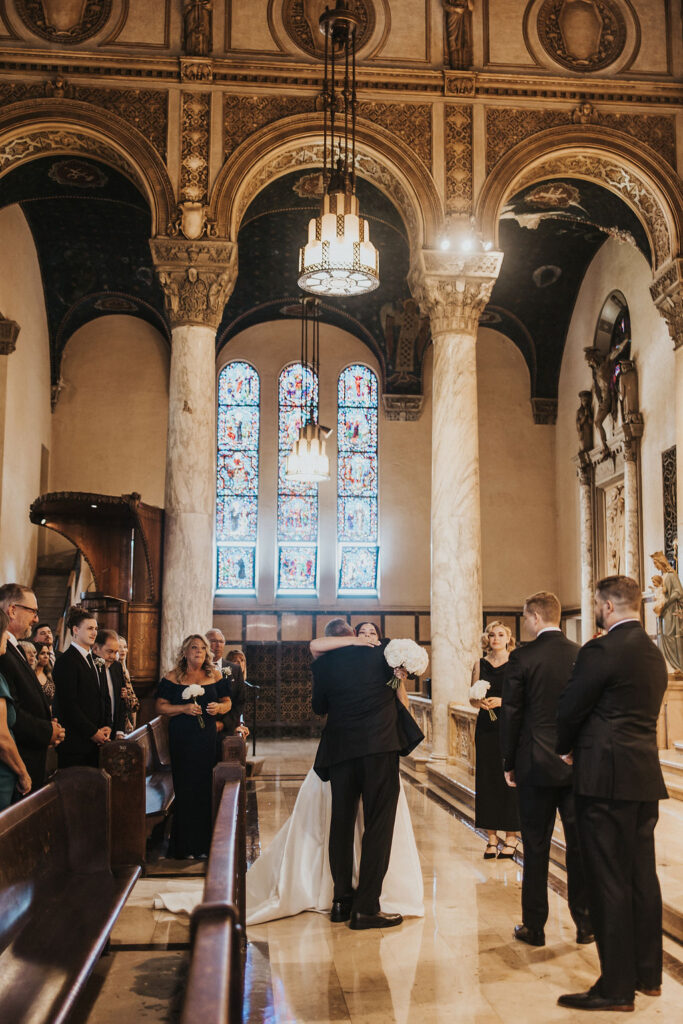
pixel 35 729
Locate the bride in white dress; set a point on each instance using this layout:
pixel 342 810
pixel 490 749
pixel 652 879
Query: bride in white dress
pixel 293 874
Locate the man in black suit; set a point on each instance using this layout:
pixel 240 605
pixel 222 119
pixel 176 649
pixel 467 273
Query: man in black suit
pixel 607 723
pixel 112 681
pixel 35 730
pixel 358 754
pixel 78 693
pixel 534 679
pixel 231 723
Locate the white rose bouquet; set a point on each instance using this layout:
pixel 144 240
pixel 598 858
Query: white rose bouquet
pixel 478 691
pixel 408 655
pixel 191 692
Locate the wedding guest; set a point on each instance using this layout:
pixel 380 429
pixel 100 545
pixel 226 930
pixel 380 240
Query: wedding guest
pixel 230 724
pixel 43 671
pixel 607 717
pixel 78 694
pixel 29 652
pixel 13 772
pixel 192 695
pixel 42 634
pixel 34 729
pixel 535 677
pixel 112 681
pixel 495 803
pixel 130 699
pixel 236 657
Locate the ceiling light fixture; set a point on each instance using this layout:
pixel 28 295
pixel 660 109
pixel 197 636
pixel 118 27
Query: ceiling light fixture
pixel 308 461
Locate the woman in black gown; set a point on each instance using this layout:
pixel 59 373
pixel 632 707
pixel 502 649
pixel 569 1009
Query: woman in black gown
pixel 192 739
pixel 495 804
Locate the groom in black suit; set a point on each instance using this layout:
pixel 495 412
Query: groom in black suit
pixel 607 723
pixel 79 695
pixel 358 754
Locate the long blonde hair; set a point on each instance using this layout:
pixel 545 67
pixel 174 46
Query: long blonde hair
pixel 180 667
pixel 485 641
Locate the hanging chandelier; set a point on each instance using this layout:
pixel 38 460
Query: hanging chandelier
pixel 308 461
pixel 339 258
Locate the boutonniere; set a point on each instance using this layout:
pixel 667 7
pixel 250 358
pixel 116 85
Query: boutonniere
pixel 226 672
pixel 99 664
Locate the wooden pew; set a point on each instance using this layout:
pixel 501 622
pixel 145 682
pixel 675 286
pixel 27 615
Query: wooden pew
pixel 59 897
pixel 215 984
pixel 233 748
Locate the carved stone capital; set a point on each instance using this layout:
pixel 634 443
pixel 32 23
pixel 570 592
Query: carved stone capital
pixel 402 407
pixel 197 278
pixel 453 289
pixel 667 294
pixel 9 332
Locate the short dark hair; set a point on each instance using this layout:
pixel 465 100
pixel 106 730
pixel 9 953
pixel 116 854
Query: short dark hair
pixel 106 634
pixel 620 590
pixel 546 604
pixel 42 625
pixel 338 627
pixel 77 614
pixel 374 625
pixel 12 593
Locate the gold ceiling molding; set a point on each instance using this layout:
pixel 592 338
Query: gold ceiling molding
pixel 458 158
pixel 296 141
pixel 594 153
pixel 39 127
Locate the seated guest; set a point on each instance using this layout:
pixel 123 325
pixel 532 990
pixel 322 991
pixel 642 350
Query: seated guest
pixel 232 673
pixel 128 695
pixel 112 682
pixel 42 634
pixel 30 652
pixel 78 694
pixel 192 740
pixel 43 670
pixel 34 729
pixel 13 773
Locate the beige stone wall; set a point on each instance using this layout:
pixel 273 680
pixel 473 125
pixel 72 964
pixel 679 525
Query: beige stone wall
pixel 109 433
pixel 25 418
pixel 615 266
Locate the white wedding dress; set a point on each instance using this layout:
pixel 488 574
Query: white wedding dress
pixel 293 874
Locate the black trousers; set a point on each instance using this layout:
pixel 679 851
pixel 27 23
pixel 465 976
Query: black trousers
pixel 618 846
pixel 538 806
pixel 375 779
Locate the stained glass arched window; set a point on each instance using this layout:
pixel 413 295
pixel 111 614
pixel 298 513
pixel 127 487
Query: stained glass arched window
pixel 297 503
pixel 237 478
pixel 357 480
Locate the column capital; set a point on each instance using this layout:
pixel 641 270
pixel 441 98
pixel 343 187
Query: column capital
pixel 197 278
pixel 667 294
pixel 9 332
pixel 453 289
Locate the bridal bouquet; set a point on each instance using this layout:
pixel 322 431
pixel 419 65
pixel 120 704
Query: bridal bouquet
pixel 191 692
pixel 478 691
pixel 408 655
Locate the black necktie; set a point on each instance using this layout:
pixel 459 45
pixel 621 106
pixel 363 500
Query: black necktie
pixel 22 652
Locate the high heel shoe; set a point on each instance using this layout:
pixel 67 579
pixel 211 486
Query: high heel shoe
pixel 513 847
pixel 491 856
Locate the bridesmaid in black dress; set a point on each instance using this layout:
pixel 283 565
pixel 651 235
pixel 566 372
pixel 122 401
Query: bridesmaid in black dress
pixel 495 804
pixel 192 740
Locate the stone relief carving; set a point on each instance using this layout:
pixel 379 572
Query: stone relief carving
pixel 667 295
pixel 602 369
pixel 196 69
pixel 244 115
pixel 615 529
pixel 194 159
pixel 197 28
pixel 544 411
pixel 406 333
pixel 585 113
pixel 48 140
pixel 506 127
pixel 403 408
pixel 458 159
pixel 9 332
pixel 64 21
pixel 301 18
pixel 197 278
pixel 411 122
pixel 458 16
pixel 584 421
pixel 582 35
pixel 670 503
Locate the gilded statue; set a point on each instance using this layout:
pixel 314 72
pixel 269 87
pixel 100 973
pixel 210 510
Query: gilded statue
pixel 197 28
pixel 459 33
pixel 669 611
pixel 584 421
pixel 602 369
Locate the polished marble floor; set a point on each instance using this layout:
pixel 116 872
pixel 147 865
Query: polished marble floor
pixel 458 964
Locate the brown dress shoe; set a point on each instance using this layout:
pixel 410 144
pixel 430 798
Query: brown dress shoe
pixel 532 936
pixel 649 991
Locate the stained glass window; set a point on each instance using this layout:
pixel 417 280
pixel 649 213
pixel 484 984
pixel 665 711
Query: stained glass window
pixel 357 483
pixel 237 478
pixel 297 504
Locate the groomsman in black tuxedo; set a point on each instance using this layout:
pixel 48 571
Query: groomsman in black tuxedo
pixel 607 724
pixel 78 694
pixel 535 676
pixel 112 681
pixel 358 754
pixel 35 730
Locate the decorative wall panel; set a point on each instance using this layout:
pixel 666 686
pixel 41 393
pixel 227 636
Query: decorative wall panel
pixel 670 502
pixel 458 159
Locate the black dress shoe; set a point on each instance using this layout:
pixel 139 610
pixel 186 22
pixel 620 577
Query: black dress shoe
pixel 592 1000
pixel 532 936
pixel 379 920
pixel 341 911
pixel 584 936
pixel 654 991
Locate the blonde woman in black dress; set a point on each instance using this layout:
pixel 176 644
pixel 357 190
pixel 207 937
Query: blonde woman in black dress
pixel 495 807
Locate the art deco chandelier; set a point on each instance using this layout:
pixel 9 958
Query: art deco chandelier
pixel 308 461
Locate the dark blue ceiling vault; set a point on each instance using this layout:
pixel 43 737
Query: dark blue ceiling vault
pixel 91 228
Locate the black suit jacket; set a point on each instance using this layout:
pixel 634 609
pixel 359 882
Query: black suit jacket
pixel 33 727
pixel 535 676
pixel 118 717
pixel 78 698
pixel 238 696
pixel 608 716
pixel 364 715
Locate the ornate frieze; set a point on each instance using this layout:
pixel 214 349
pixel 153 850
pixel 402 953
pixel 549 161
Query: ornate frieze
pixel 458 159
pixel 585 36
pixel 454 290
pixel 64 23
pixel 505 127
pixel 402 407
pixel 47 140
pixel 197 278
pixel 9 332
pixel 667 295
pixel 411 122
pixel 244 115
pixel 670 503
pixel 544 410
pixel 194 160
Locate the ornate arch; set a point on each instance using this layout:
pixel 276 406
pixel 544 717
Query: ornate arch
pixel 297 141
pixel 629 169
pixel 37 127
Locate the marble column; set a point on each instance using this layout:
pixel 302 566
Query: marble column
pixel 9 332
pixel 197 279
pixel 587 560
pixel 631 510
pixel 453 290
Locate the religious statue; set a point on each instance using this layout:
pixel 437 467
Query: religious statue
pixel 584 421
pixel 602 369
pixel 197 28
pixel 669 611
pixel 459 33
pixel 627 384
pixel 584 113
